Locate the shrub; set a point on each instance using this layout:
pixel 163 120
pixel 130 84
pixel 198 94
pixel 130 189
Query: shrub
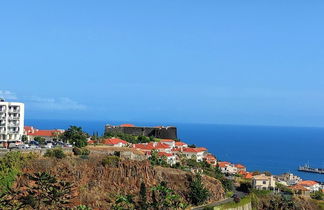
pixel 80 151
pixel 76 151
pixel 55 153
pixel 111 161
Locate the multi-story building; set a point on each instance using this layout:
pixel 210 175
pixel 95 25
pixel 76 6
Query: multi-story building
pixel 11 121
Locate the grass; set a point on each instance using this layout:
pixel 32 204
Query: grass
pixel 242 202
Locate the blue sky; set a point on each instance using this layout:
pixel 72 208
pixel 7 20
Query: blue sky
pixel 233 62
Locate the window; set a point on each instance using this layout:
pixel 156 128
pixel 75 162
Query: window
pixel 264 182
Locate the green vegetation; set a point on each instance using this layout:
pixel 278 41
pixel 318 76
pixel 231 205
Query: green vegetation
pixel 143 197
pixel 40 140
pixel 284 188
pixel 24 138
pixel 162 198
pixel 55 153
pixel 156 160
pixel 80 151
pixel 318 195
pixel 110 161
pixel 46 192
pixel 10 167
pixel 75 136
pixel 242 202
pixel 198 193
pixel 165 198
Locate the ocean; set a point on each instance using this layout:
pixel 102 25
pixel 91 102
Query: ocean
pixel 259 148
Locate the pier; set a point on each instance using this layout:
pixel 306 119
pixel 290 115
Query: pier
pixel 307 168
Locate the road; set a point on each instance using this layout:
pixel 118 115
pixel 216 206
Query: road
pixel 218 203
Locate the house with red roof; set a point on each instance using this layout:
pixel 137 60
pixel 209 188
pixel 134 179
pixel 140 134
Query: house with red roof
pixel 180 144
pixel 211 159
pixel 240 167
pixel 299 190
pixel 32 132
pixel 115 142
pixel 310 185
pixel 169 142
pixel 227 167
pixel 197 153
pixel 143 147
pixel 170 158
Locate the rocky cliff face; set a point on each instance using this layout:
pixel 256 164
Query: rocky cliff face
pixel 97 185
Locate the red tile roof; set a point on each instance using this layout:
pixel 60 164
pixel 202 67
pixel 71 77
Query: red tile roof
pixel 179 144
pixel 194 150
pixel 298 187
pixel 248 176
pixel 90 142
pixel 143 146
pixel 28 129
pixel 240 166
pixel 47 133
pixel 223 164
pixel 167 140
pixel 165 154
pixel 210 157
pixel 127 125
pixel 307 183
pixel 114 141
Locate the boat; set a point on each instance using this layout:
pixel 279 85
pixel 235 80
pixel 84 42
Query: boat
pixel 307 168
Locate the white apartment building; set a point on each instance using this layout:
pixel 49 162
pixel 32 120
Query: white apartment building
pixel 11 121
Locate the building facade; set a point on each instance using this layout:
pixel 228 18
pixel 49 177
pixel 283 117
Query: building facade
pixel 11 121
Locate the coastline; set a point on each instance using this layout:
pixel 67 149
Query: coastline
pixel 228 142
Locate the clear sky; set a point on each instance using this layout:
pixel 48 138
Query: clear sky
pixel 237 62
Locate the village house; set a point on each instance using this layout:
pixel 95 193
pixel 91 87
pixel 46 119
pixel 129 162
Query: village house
pixel 197 153
pixel 299 190
pixel 211 159
pixel 312 186
pixel 169 142
pixel 170 158
pixel 240 167
pixel 227 167
pixel 115 142
pixel 288 179
pixel 180 144
pixel 263 182
pixel 147 147
pixel 48 135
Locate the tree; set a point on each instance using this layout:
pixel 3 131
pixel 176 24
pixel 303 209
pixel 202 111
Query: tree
pixel 76 136
pixel 143 197
pixel 198 193
pixel 40 140
pixel 24 138
pixel 165 198
pixel 46 192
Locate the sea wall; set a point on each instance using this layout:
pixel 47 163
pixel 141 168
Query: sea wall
pixel 158 132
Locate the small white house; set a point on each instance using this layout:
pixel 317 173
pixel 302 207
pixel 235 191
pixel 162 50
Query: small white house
pixel 198 153
pixel 310 185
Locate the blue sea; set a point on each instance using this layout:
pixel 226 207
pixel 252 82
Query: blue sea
pixel 260 148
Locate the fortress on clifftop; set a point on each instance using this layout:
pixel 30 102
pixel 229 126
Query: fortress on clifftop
pixel 162 132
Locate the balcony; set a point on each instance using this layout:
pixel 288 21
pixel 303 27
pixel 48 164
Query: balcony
pixel 13 131
pixel 14 110
pixel 13 125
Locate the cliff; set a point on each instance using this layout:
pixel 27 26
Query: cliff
pixel 97 185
